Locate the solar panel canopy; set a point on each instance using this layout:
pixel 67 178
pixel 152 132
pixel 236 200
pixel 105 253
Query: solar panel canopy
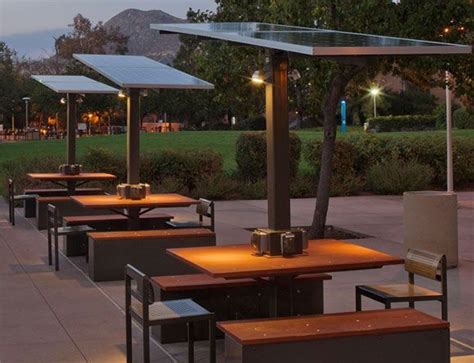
pixel 74 84
pixel 140 72
pixel 312 41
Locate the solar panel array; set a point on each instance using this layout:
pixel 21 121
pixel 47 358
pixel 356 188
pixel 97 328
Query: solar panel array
pixel 74 84
pixel 312 41
pixel 140 72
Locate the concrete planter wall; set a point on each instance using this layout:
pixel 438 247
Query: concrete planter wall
pixel 431 223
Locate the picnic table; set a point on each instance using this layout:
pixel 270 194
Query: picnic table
pixel 133 209
pixel 322 256
pixel 71 182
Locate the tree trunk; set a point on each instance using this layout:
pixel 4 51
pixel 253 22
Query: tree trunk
pixel 339 81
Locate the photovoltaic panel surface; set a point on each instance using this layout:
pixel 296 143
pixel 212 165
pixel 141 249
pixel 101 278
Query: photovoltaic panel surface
pixel 312 41
pixel 74 84
pixel 140 72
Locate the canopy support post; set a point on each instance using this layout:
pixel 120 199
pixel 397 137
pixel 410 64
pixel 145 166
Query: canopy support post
pixel 449 135
pixel 133 136
pixel 71 128
pixel 278 143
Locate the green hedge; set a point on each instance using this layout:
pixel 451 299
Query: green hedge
pixel 355 155
pixel 462 119
pixel 402 123
pixel 166 171
pixel 251 155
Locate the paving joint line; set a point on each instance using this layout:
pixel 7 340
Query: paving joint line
pixel 107 296
pixel 44 298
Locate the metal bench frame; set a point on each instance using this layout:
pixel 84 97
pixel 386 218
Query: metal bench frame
pixel 418 262
pixel 55 230
pixel 143 292
pixel 12 198
pixel 205 209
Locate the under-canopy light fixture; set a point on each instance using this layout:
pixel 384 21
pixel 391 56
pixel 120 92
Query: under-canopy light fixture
pixel 122 94
pixel 258 77
pixel 144 93
pixel 63 100
pixel 294 75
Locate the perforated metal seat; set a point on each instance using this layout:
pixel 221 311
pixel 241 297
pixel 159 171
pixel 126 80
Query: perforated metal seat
pixel 70 230
pixel 140 305
pixel 171 310
pixel 417 262
pixel 205 209
pixel 55 230
pixel 12 198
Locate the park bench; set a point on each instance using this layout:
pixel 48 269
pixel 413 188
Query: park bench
pixel 110 252
pixel 232 299
pixel 389 336
pixel 30 204
pixel 108 222
pixel 66 207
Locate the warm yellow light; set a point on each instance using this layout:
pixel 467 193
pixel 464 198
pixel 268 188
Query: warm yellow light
pixel 446 30
pixel 90 115
pixel 258 78
pixel 122 94
pixel 375 92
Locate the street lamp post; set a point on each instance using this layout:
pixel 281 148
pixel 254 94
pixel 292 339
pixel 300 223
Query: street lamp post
pixel 374 92
pixel 27 100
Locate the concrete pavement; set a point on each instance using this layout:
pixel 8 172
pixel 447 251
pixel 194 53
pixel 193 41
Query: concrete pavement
pixel 48 316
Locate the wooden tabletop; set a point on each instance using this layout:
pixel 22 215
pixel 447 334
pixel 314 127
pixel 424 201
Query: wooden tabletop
pixel 79 177
pixel 322 256
pixel 151 201
pixel 315 327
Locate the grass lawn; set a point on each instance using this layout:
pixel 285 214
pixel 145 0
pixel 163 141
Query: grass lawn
pixel 221 141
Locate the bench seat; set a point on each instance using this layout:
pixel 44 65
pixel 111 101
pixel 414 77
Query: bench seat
pixel 66 207
pixel 30 204
pixel 232 299
pixel 109 252
pixel 389 336
pixel 114 222
pixel 107 222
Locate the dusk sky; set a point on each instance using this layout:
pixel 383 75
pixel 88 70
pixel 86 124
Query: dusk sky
pixel 26 16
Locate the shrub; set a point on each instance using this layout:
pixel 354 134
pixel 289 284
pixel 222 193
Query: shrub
pixel 440 114
pixel 251 155
pixel 185 167
pixel 462 119
pixel 344 159
pixel 18 168
pixel 402 123
pixel 101 160
pixel 344 180
pixel 396 176
pixel 431 151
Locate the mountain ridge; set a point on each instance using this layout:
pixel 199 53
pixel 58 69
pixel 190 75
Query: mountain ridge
pixel 135 24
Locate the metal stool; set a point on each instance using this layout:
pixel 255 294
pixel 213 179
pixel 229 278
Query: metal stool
pixel 12 198
pixel 205 209
pixel 54 229
pixel 145 311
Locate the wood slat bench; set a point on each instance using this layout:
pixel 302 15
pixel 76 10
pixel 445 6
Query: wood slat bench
pixel 232 299
pixel 108 222
pixel 66 207
pixel 30 205
pixel 110 252
pixel 389 336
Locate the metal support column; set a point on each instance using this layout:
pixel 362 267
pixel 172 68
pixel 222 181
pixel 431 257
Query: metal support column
pixel 133 136
pixel 71 137
pixel 133 150
pixel 278 144
pixel 71 129
pixel 449 135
